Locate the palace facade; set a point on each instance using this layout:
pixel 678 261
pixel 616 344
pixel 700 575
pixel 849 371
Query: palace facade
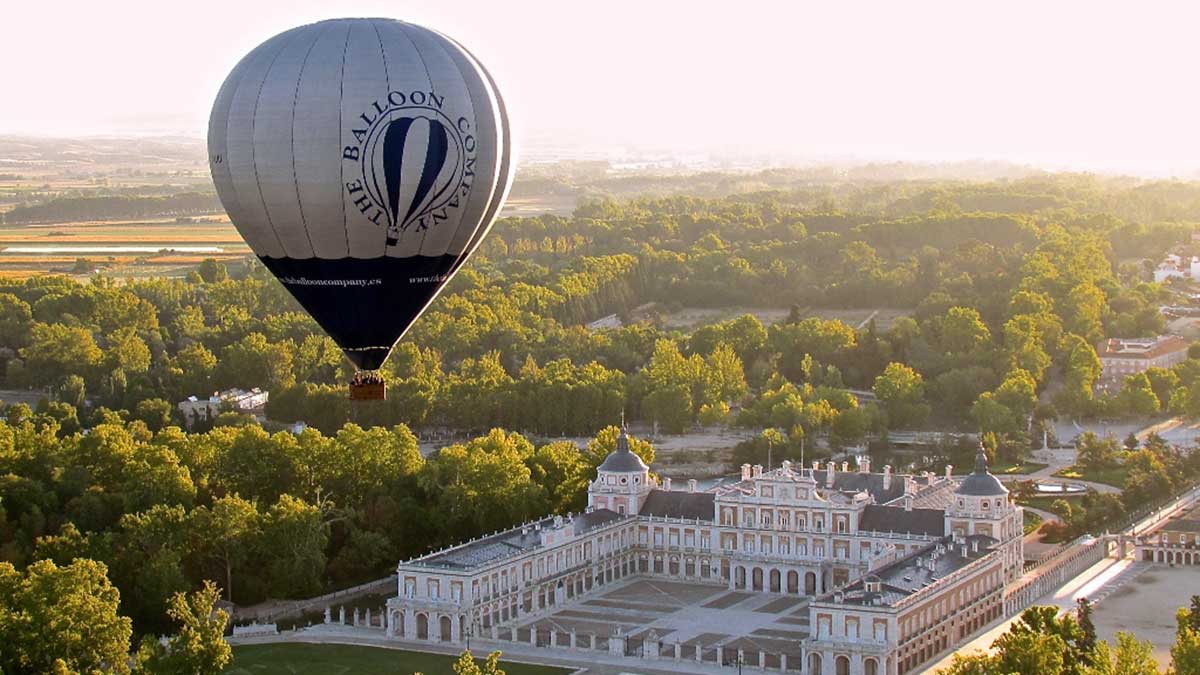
pixel 898 567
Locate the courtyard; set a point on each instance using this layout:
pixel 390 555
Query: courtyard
pixel 1146 604
pixel 702 617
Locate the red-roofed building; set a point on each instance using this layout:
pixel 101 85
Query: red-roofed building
pixel 1121 358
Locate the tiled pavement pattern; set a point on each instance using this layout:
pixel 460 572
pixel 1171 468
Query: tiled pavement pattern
pixel 692 614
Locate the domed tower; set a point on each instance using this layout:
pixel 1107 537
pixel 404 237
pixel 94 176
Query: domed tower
pixel 981 506
pixel 622 481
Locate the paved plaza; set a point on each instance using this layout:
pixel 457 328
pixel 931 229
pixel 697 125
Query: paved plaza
pixel 1145 604
pixel 696 616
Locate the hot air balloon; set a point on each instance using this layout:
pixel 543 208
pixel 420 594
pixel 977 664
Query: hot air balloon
pixel 363 161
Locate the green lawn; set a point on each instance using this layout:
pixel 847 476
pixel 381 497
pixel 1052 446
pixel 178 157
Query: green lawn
pixel 1026 468
pixel 310 659
pixel 1115 476
pixel 1002 468
pixel 1032 521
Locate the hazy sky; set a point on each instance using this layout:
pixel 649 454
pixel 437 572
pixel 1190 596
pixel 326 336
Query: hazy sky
pixel 1078 84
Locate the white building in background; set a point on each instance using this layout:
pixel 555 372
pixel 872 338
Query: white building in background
pixel 250 402
pixel 899 567
pixel 1177 267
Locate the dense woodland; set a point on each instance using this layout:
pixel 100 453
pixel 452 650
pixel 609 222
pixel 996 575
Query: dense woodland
pixel 1007 287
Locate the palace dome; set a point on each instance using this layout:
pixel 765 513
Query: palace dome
pixel 623 460
pixel 981 483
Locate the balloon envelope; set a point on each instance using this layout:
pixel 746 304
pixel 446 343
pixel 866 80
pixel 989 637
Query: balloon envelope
pixel 362 160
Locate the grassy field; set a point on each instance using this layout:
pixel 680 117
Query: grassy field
pixel 1007 469
pixel 310 659
pixel 1032 521
pixel 1115 477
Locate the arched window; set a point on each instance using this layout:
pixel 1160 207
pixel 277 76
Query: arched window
pixel 870 667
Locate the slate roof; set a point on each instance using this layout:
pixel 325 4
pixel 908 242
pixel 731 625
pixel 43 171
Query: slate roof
pixel 690 505
pixel 910 574
pixel 482 551
pixel 855 481
pixel 981 485
pixel 877 518
pixel 623 462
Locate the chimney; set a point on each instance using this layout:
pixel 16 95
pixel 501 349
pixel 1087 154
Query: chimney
pixel 845 467
pixel 667 484
pixel 908 501
pixel 887 477
pixel 964 551
pixel 829 474
pixel 692 485
pixel 816 465
pixel 864 464
pixel 745 472
pixel 758 470
pixel 949 471
pixel 975 545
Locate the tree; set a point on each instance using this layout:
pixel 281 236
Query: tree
pixel 61 618
pixel 1137 396
pixel 254 362
pixel 212 271
pixel 199 647
pixel 1147 479
pixel 1093 452
pixel 1080 371
pixel 1185 653
pixel 16 319
pixel 963 331
pixel 1083 615
pixel 1018 393
pixel 722 379
pixel 294 535
pixel 228 529
pixel 192 369
pixel 155 412
pixel 973 664
pixel 126 352
pixel 58 350
pixel 901 390
pixel 992 416
pixel 563 471
pixel 1042 642
pixel 466 665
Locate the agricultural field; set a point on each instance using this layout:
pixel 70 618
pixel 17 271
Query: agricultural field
pixel 166 247
pixel 314 659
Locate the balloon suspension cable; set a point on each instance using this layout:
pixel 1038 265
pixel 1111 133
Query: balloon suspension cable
pixel 368 385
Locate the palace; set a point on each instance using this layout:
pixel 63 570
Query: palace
pixel 896 568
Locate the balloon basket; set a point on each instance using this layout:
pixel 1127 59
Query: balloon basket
pixel 368 391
